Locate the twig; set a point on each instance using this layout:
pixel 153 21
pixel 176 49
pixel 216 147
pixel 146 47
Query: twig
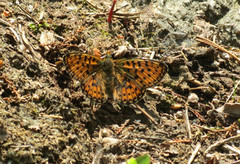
pixel 209 42
pixel 217 130
pixel 203 87
pixel 198 88
pixel 198 83
pixel 152 55
pixel 11 28
pixel 51 116
pixel 5 22
pixel 98 156
pixel 21 146
pixel 16 34
pixel 122 126
pixel 42 11
pixel 94 6
pixel 187 122
pixel 27 14
pixel 28 45
pixel 180 141
pixel 198 115
pixel 124 17
pixel 145 113
pixel 232 148
pixel 145 49
pixel 233 91
pixel 121 8
pixel 194 153
pixel 129 14
pixel 212 89
pixel 235 162
pixel 220 143
pixel 184 56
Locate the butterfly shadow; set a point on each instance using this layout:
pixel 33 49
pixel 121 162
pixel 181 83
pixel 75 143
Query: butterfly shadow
pixel 108 114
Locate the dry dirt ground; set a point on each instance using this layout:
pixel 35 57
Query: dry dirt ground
pixel 45 118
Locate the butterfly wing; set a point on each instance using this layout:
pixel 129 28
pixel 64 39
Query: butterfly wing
pixel 94 87
pixel 126 91
pixel 81 66
pixel 134 76
pixel 88 70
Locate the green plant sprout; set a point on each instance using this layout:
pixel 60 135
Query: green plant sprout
pixel 36 27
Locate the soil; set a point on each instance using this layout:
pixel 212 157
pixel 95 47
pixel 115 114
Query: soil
pixel 45 117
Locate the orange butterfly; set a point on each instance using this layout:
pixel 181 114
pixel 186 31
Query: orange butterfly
pixel 120 80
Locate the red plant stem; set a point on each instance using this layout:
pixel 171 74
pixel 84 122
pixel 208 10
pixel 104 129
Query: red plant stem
pixel 111 11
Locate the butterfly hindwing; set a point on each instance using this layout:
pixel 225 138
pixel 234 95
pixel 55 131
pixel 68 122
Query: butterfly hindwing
pixel 94 88
pixel 127 92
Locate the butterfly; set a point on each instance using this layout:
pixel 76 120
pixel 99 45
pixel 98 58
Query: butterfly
pixel 119 80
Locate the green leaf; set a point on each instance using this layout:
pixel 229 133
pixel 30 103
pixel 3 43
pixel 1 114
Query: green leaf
pixel 132 161
pixel 144 159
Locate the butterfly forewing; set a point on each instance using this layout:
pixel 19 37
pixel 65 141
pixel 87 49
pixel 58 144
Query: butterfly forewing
pixel 144 73
pixel 81 66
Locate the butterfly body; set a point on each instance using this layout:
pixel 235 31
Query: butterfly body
pixel 108 72
pixel 120 80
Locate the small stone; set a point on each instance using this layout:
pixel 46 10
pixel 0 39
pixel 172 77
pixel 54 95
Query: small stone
pixel 193 97
pixel 215 101
pixel 179 115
